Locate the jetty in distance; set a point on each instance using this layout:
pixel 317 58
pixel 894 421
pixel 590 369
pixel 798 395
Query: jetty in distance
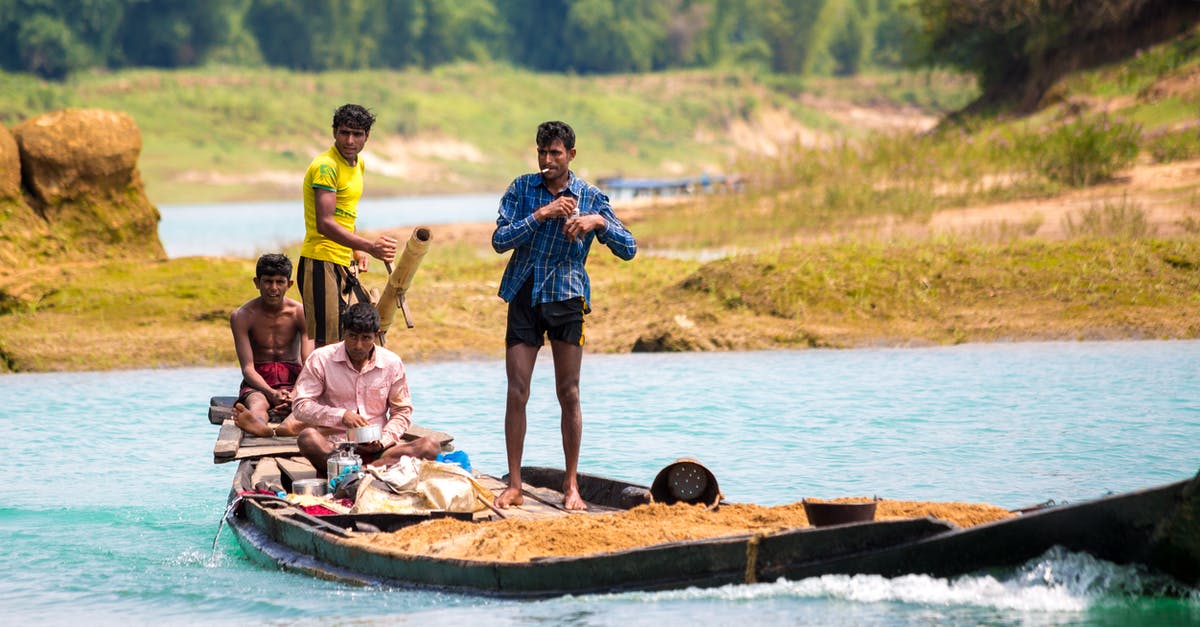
pixel 620 187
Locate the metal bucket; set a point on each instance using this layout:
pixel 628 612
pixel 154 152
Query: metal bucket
pixel 685 481
pixel 826 514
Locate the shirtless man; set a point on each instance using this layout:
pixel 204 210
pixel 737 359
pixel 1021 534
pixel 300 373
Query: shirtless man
pixel 272 344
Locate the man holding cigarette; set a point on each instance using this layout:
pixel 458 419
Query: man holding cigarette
pixel 549 220
pixel 332 253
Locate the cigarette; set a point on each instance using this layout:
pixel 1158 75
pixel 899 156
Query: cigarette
pixel 545 170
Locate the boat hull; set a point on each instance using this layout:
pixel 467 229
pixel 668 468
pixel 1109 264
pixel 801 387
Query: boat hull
pixel 1157 527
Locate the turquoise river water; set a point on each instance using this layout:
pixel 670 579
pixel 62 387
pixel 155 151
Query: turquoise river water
pixel 113 501
pixel 270 226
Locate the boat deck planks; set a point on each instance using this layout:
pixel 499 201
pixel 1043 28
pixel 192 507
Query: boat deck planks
pixel 234 444
pixel 296 468
pixel 266 471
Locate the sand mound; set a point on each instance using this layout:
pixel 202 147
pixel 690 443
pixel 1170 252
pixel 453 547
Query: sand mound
pixel 523 540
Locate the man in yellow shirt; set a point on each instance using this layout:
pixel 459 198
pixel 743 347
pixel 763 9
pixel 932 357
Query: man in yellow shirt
pixel 332 253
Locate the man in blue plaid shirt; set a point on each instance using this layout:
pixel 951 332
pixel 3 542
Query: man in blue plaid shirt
pixel 549 220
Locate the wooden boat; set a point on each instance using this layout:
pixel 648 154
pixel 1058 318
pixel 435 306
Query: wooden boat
pixel 1158 527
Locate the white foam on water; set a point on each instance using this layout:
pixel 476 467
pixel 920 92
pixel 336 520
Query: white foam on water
pixel 1058 581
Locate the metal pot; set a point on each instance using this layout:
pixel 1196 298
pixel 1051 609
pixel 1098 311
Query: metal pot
pixel 314 487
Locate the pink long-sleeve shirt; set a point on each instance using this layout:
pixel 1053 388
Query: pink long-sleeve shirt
pixel 329 386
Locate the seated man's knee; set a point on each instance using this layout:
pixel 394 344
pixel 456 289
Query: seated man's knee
pixel 310 438
pixel 427 447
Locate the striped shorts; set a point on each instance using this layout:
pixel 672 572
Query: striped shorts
pixel 326 288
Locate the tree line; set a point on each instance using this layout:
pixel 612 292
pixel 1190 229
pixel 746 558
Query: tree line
pixel 1002 42
pixel 52 38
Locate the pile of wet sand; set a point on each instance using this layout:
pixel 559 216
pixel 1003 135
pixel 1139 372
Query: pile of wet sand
pixel 514 540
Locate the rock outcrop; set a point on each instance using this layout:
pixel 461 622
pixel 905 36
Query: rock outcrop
pixel 10 166
pixel 78 193
pixel 23 233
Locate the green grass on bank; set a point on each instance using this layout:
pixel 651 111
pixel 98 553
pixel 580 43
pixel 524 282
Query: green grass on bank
pixel 225 133
pixel 175 313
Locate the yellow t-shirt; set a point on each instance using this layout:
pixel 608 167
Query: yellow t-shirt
pixel 330 171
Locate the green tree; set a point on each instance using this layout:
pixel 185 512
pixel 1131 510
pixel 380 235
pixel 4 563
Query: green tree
pixel 466 29
pixel 54 37
pixel 174 33
pixel 615 35
pixel 48 48
pixel 737 35
pixel 848 43
pixel 897 35
pixel 315 34
pixel 789 28
pixel 1017 48
pixel 687 23
pixel 537 33
pixel 399 38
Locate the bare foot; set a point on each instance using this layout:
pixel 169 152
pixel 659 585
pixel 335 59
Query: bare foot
pixel 290 426
pixel 248 422
pixel 509 497
pixel 571 499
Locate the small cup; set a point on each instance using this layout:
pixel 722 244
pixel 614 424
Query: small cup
pixel 363 435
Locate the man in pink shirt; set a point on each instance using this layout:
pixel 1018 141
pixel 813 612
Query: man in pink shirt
pixel 354 383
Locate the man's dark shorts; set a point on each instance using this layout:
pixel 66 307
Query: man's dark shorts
pixel 530 324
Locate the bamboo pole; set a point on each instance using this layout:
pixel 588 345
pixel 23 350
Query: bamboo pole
pixel 400 279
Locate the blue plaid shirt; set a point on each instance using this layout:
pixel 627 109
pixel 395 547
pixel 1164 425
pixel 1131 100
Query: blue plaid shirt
pixel 542 250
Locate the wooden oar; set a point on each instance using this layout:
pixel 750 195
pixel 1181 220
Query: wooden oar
pixel 494 509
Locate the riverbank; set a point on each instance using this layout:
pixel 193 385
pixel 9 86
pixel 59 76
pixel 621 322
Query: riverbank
pixel 919 290
pixel 1119 260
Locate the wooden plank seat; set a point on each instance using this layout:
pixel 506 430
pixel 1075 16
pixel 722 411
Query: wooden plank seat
pixel 233 444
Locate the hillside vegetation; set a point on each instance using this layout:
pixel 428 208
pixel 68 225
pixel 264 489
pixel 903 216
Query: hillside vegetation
pixel 222 134
pixel 1077 222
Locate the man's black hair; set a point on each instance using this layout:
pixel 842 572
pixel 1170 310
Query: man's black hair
pixel 353 116
pixel 273 264
pixel 547 132
pixel 360 318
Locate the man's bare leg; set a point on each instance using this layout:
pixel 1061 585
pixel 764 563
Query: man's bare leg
pixel 251 417
pixel 519 360
pixel 315 447
pixel 567 361
pixel 290 426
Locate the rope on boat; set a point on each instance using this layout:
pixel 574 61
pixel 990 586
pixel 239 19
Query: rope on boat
pixel 752 560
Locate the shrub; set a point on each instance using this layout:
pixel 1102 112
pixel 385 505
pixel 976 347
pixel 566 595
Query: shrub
pixel 1120 219
pixel 1166 145
pixel 1087 150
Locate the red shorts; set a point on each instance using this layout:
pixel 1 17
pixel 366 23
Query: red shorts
pixel 280 375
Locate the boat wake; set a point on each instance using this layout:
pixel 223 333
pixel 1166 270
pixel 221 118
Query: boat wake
pixel 1057 581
